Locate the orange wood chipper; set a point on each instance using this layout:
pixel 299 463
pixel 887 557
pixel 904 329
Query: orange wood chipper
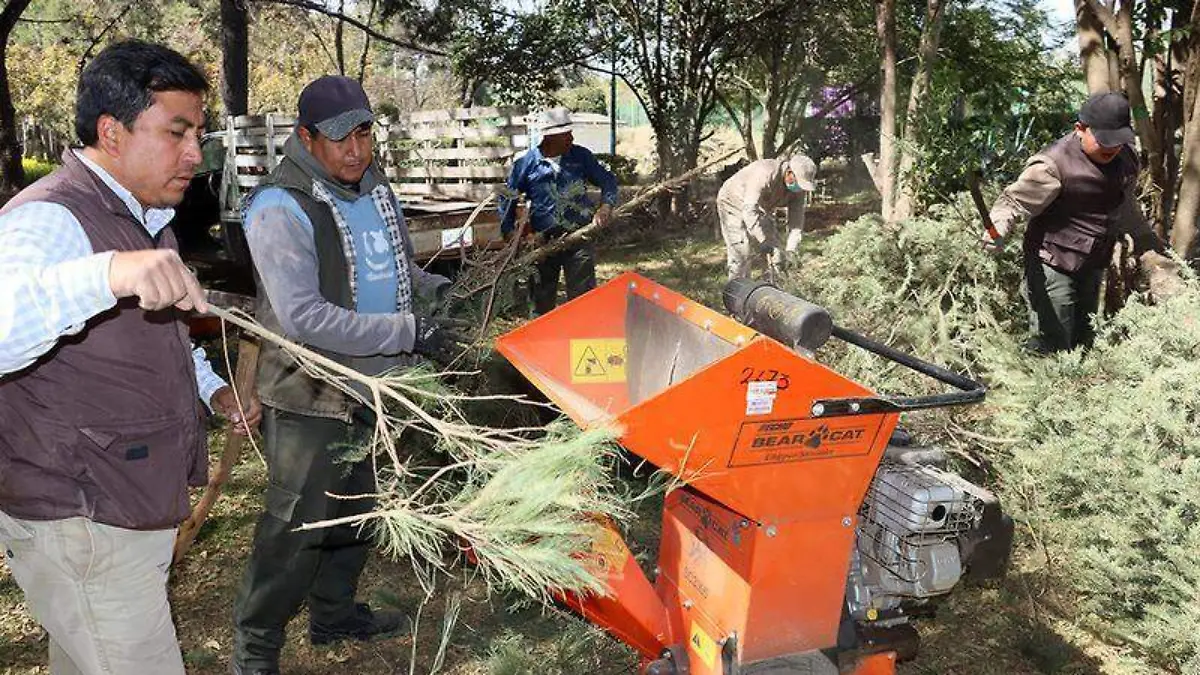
pixel 805 535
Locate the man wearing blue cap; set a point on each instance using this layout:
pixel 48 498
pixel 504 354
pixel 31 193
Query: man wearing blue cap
pixel 336 273
pixel 1078 196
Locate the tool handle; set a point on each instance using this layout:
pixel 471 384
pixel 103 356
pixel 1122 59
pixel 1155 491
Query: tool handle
pixel 977 197
pixel 969 391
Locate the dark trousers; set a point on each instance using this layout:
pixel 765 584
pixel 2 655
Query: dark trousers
pixel 306 459
pixel 578 265
pixel 1060 306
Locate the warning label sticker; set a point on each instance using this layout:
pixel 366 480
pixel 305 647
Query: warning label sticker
pixel 598 360
pixel 703 646
pixel 797 440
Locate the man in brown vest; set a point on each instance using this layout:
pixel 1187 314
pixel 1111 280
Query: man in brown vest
pixel 101 423
pixel 1077 195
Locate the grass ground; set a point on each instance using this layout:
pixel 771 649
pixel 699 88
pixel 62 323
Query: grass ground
pixel 1001 629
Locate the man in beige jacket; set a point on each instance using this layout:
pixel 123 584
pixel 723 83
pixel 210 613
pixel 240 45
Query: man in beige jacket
pixel 746 204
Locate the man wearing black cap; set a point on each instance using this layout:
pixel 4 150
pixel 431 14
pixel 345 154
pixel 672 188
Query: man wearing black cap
pixel 335 270
pixel 1077 195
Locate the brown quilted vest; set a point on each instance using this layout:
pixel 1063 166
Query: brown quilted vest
pixel 1078 229
pixel 108 423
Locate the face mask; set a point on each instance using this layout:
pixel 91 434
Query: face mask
pixel 793 187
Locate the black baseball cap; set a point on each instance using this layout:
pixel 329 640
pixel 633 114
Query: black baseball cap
pixel 335 105
pixel 1107 115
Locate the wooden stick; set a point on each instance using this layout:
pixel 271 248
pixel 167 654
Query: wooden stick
pixel 462 232
pixel 491 300
pixel 578 236
pixel 243 382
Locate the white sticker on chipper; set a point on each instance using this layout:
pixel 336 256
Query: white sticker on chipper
pixel 760 397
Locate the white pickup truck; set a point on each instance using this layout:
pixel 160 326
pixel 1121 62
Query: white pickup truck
pixel 442 165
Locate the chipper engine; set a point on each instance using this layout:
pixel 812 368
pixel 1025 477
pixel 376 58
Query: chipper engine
pixel 804 535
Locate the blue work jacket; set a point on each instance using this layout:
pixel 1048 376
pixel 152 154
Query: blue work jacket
pixel 558 200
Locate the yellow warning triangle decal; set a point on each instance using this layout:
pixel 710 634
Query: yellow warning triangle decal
pixel 589 364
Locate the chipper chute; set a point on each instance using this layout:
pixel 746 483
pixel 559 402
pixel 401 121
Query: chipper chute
pixel 791 545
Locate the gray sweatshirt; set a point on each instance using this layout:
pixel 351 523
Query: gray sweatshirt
pixel 280 236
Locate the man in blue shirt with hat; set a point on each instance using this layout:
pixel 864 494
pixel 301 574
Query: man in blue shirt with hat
pixel 553 175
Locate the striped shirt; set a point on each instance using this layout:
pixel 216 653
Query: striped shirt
pixel 52 282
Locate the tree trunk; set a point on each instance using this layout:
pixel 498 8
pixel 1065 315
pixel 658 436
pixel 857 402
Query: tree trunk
pixel 1168 116
pixel 235 57
pixel 885 28
pixel 927 57
pixel 670 159
pixel 339 40
pixel 1120 28
pixel 666 161
pixel 1131 80
pixel 12 174
pixel 1184 234
pixel 771 109
pixel 1093 55
pixel 751 145
pixel 770 133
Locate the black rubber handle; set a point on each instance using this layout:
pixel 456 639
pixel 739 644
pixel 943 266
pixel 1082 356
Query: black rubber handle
pixel 969 391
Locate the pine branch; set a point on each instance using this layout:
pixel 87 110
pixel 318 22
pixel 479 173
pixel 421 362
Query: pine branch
pixel 469 286
pixel 525 502
pixel 594 228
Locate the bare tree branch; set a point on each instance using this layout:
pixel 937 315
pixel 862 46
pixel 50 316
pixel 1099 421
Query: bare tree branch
pixel 362 58
pixel 339 42
pixel 321 9
pixel 87 53
pixel 35 20
pixel 316 31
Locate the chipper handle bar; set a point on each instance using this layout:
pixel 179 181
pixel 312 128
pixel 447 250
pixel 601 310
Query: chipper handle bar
pixel 804 326
pixel 969 391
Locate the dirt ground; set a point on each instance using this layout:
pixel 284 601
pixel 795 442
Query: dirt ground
pixel 1000 629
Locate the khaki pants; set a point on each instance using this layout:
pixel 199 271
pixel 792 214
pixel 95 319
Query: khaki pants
pixel 99 591
pixel 741 250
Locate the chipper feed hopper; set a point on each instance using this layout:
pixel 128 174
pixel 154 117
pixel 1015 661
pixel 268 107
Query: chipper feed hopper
pixel 804 536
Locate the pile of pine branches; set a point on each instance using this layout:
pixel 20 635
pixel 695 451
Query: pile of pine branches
pixel 1096 452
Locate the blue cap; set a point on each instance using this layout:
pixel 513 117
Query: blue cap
pixel 335 105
